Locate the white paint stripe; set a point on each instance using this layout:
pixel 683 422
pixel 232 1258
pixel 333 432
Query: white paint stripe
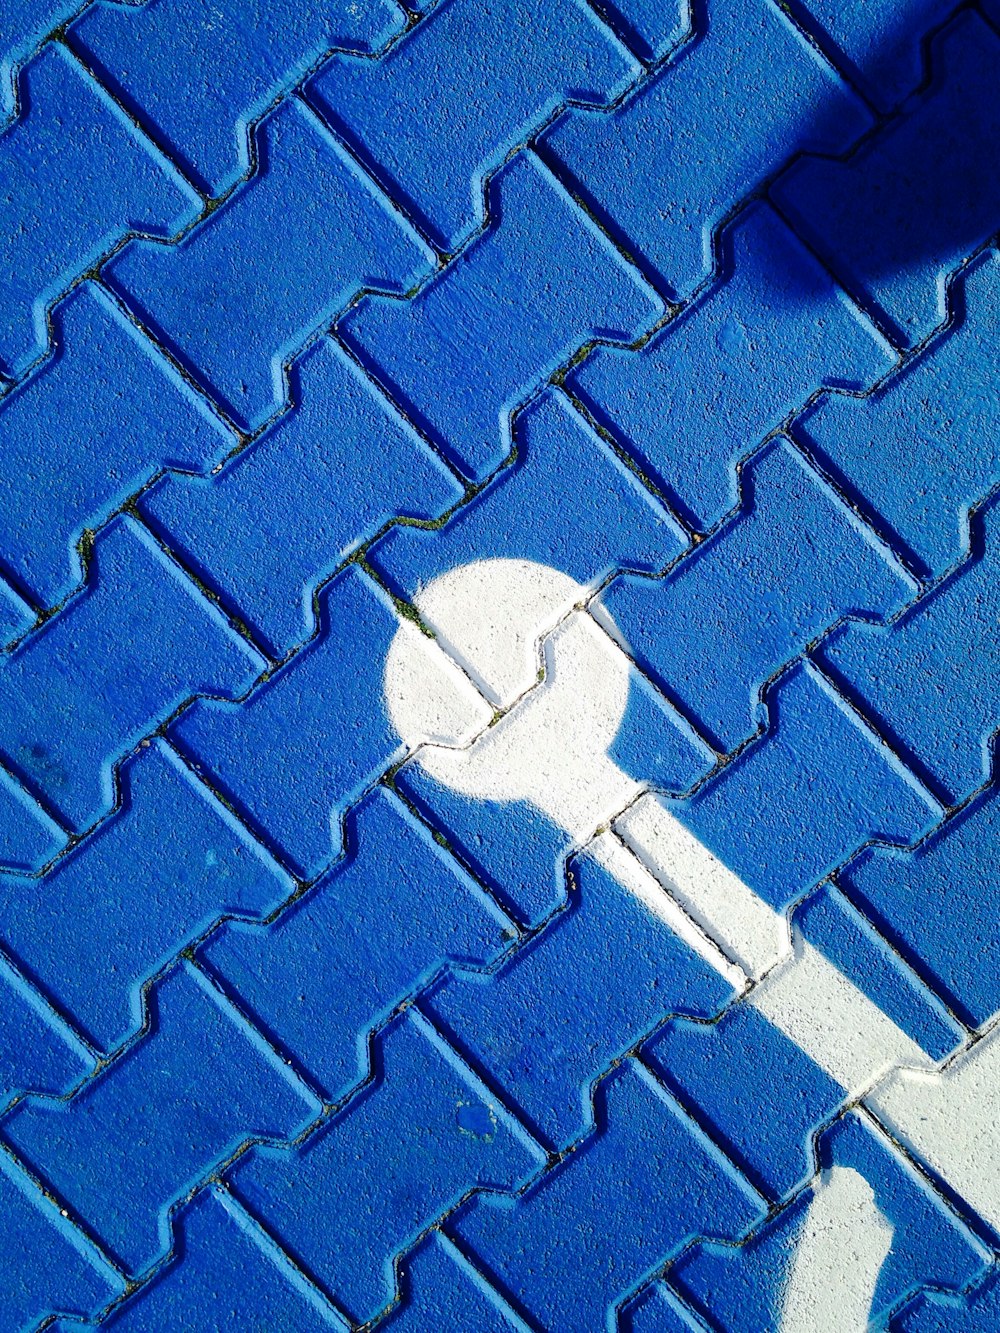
pixel 836 1024
pixel 840 1254
pixel 746 927
pixel 629 871
pixel 952 1120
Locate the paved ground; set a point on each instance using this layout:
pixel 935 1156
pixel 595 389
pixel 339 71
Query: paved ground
pixel 500 595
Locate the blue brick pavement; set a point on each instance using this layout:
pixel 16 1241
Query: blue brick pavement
pixel 678 320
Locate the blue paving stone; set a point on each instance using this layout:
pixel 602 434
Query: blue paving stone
pixel 648 27
pixel 440 1289
pixel 558 296
pixel 74 433
pixel 510 66
pixel 566 501
pixel 976 1312
pixel 931 678
pixel 16 616
pixel 23 25
pixel 281 516
pixel 935 904
pixel 132 1142
pixel 226 1275
pixel 895 219
pixel 37 1052
pixel 516 849
pixel 121 904
pixel 28 836
pixel 817 766
pixel 303 748
pixel 136 643
pixel 715 381
pixel 665 169
pixel 48 1264
pixel 740 1290
pixel 383 921
pixel 196 73
pixel 752 1089
pixel 790 564
pixel 292 1035
pixel 550 1021
pixel 592 1230
pixel 71 141
pixel 410 1146
pixel 657 1310
pixel 940 413
pixel 879 46
pixel 244 292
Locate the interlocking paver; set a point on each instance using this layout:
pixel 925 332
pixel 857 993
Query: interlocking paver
pixel 511 65
pixel 393 872
pixel 560 295
pixel 737 1076
pixel 940 410
pixel 24 24
pixel 796 772
pixel 72 431
pixel 881 46
pixel 930 677
pixel 666 168
pixel 265 531
pixel 134 1141
pixel 917 897
pixel 727 372
pixel 320 723
pixel 549 1021
pixel 791 537
pixel 226 1274
pixel 72 142
pixel 566 501
pixel 48 1265
pixel 935 194
pixel 136 643
pixel 413 1143
pixel 310 221
pixel 741 1290
pixel 28 836
pixel 549 1249
pixel 439 1288
pixel 194 864
pixel 198 73
pixel 37 1051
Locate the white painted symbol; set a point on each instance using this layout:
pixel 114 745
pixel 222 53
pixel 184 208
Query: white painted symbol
pixel 550 744
pixel 841 1249
pixel 540 730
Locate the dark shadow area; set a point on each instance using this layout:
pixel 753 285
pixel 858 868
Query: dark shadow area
pixel 921 191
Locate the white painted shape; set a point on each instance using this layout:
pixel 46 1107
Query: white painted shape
pixel 490 615
pixel 952 1120
pixel 748 928
pixel 840 1253
pixel 836 1024
pixel 429 699
pixel 629 871
pixel 552 747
